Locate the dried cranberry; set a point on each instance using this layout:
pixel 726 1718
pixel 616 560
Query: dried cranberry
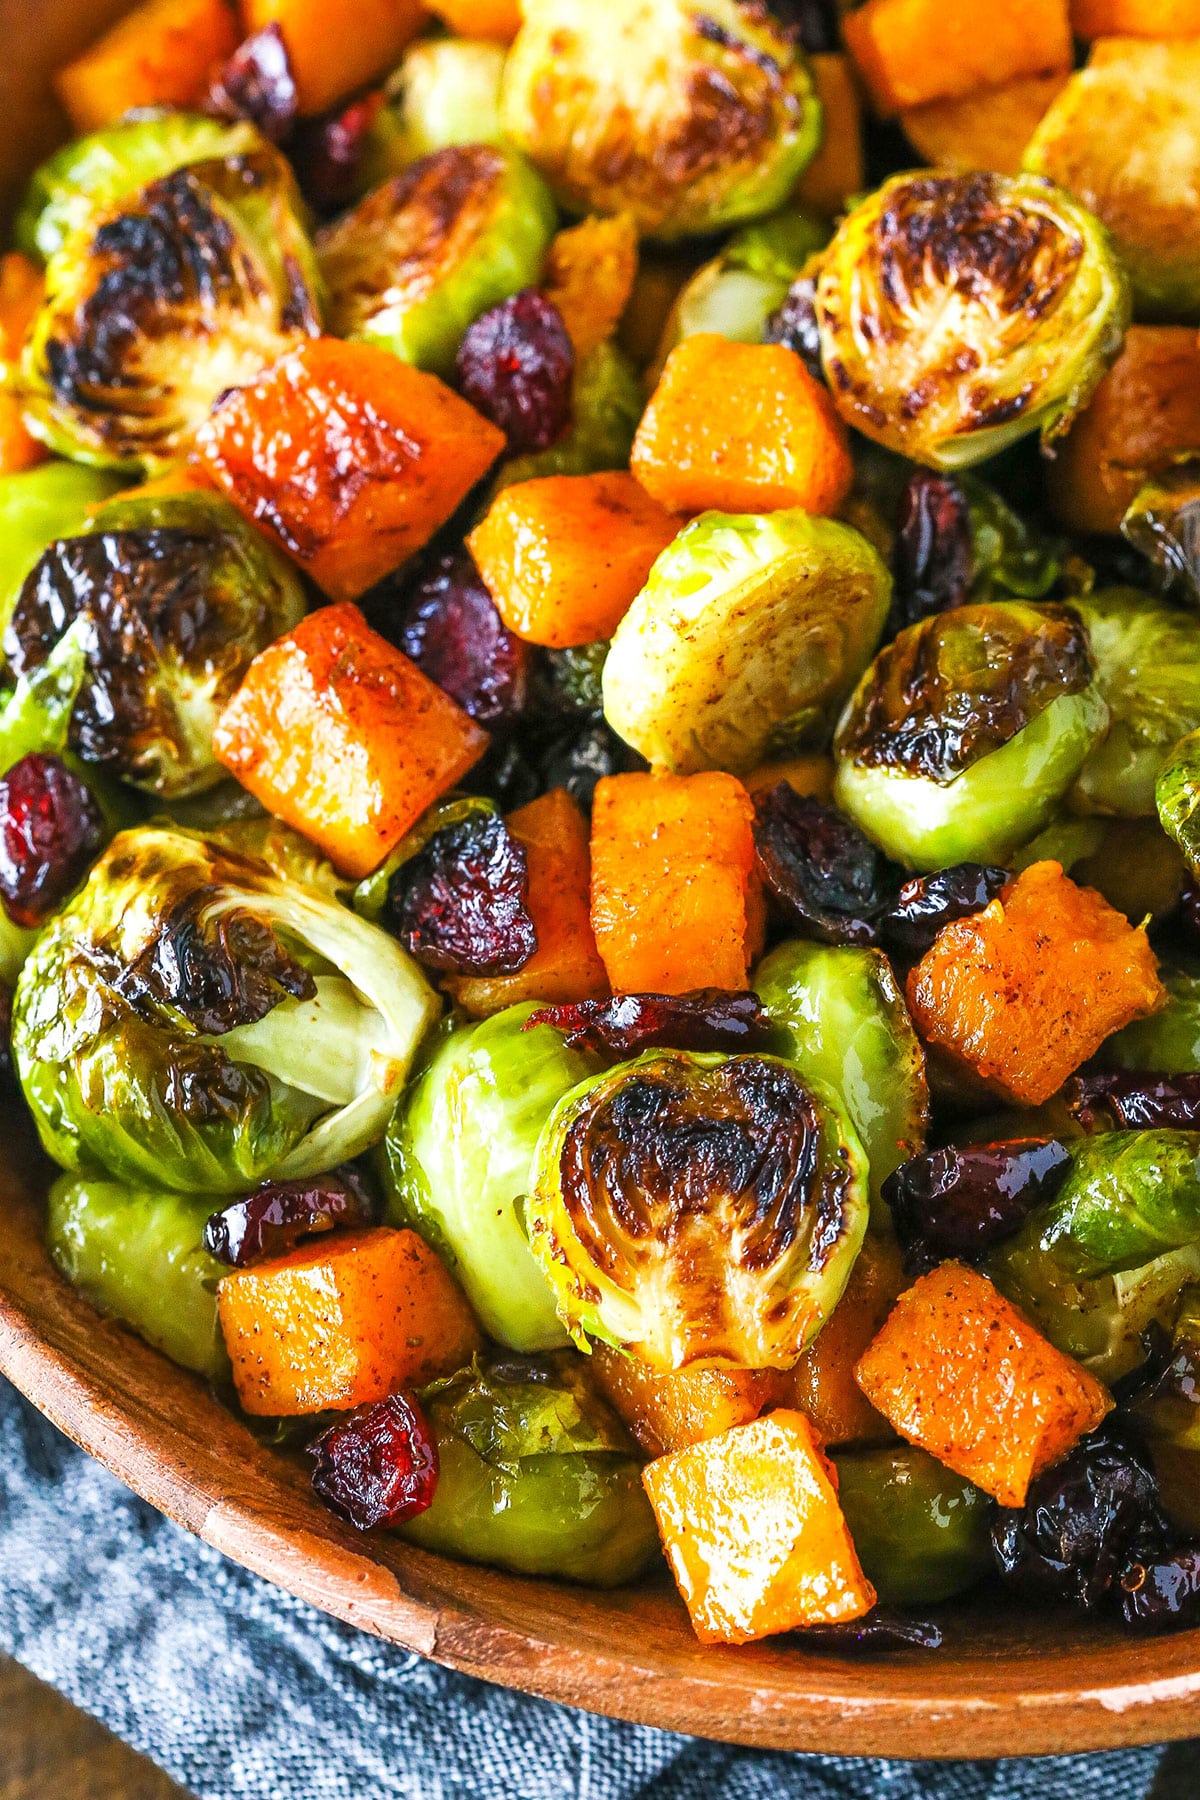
pixel 379 1466
pixel 1161 1593
pixel 50 830
pixel 794 325
pixel 461 903
pixel 328 153
pixel 515 366
pixel 578 759
pixel 930 901
pixel 1134 1100
pixel 708 1019
pixel 880 1629
pixel 933 561
pixel 829 880
pixel 958 1202
pixel 279 1213
pixel 505 774
pixel 257 84
pixel 453 632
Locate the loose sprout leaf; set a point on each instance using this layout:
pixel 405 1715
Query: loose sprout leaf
pixel 1177 797
pixel 709 1019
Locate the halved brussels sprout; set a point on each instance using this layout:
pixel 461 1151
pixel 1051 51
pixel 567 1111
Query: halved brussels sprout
pixel 1131 862
pixel 1170 1413
pixel 1147 658
pixel 959 312
pixel 1163 522
pixel 169 296
pixel 841 1018
pixel 1168 1042
pixel 1177 797
pixel 736 293
pixel 607 402
pixel 180 595
pixel 192 1021
pixel 748 635
pixel 707 1209
pixel 460 1164
pixel 37 506
pixel 689 119
pixel 967 731
pixel 921 1532
pixel 446 91
pixel 426 252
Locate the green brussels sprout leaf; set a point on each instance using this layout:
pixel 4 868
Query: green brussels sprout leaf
pixel 1147 658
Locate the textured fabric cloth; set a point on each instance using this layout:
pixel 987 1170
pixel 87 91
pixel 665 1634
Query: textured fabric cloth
pixel 242 1693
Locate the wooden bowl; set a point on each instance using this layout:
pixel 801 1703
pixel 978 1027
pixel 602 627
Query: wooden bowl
pixel 1006 1682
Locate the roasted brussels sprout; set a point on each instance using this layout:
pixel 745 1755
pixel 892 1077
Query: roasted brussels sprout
pixel 1147 658
pixel 1163 522
pixel 747 637
pixel 430 249
pixel 37 506
pixel 607 402
pixel 180 595
pixel 1177 797
pixel 735 293
pixel 840 1017
pixel 138 1254
pixel 689 120
pixel 1170 1413
pixel 959 312
pixel 534 1474
pixel 164 299
pixel 193 1021
pixel 921 1532
pixel 459 1164
pixel 967 731
pixel 446 91
pixel 705 1208
pixel 1168 1042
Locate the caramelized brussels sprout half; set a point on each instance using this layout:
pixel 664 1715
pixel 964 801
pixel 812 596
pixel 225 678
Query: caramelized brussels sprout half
pixel 1168 1042
pixel 748 635
pixel 163 300
pixel 192 1021
pixel 1163 522
pixel 1147 658
pixel 607 402
pixel 922 1533
pixel 1177 797
pixel 707 1209
pixel 180 595
pixel 37 506
pixel 446 91
pixel 959 312
pixel 967 731
pixel 736 293
pixel 689 119
pixel 426 252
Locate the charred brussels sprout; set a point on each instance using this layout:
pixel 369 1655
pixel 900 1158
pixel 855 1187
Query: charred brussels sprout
pixel 705 1208
pixel 748 635
pixel 160 302
pixel 180 595
pixel 1168 1042
pixel 690 119
pixel 967 731
pixel 460 1164
pixel 959 312
pixel 37 506
pixel 446 91
pixel 193 1021
pixel 534 1474
pixel 1177 797
pixel 1147 658
pixel 426 252
pixel 922 1533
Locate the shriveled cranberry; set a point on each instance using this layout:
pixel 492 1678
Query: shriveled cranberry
pixel 515 366
pixel 930 901
pixel 378 1466
pixel 880 1629
pixel 933 561
pixel 828 879
pixel 451 630
pixel 279 1213
pixel 328 153
pixel 257 84
pixel 461 903
pixel 1161 1593
pixel 50 830
pixel 794 324
pixel 958 1202
pixel 1134 1100
pixel 708 1019
pixel 579 758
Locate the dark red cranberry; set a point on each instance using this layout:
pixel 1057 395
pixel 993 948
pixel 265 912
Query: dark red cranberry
pixel 580 757
pixel 709 1019
pixel 930 901
pixel 257 84
pixel 50 830
pixel 515 366
pixel 461 903
pixel 1161 1593
pixel 958 1202
pixel 453 632
pixel 879 1630
pixel 279 1213
pixel 794 325
pixel 829 881
pixel 328 153
pixel 379 1466
pixel 1134 1100
pixel 933 562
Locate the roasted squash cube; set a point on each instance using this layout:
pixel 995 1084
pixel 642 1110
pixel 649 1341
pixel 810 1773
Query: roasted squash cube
pixel 161 54
pixel 667 1410
pixel 336 46
pixel 589 275
pixel 822 1384
pixel 838 170
pixel 910 51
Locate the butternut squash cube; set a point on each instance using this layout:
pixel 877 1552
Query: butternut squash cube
pixel 822 1384
pixel 910 51
pixel 336 46
pixel 668 1410
pixel 161 54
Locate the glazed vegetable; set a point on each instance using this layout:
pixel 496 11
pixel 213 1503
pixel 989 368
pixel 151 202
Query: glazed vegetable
pixel 37 506
pixel 822 1383
pixel 22 290
pixel 589 275
pixel 669 1411
pixel 967 731
pixel 1147 658
pixel 348 458
pixel 1131 862
pixel 921 1532
pixel 459 1159
pixel 336 46
pixel 926 335
pixel 766 1489
pixel 962 1374
pixel 838 170
pixel 702 1208
pixel 1170 1412
pixel 1168 1042
pixel 1135 18
pixel 689 123
pixel 735 294
pixel 987 129
pixel 494 19
pixel 137 1254
pixel 446 91
pixel 748 635
pixel 168 1028
pixel 160 54
pixel 342 1322
pixel 1163 522
pixel 980 44
pixel 535 1475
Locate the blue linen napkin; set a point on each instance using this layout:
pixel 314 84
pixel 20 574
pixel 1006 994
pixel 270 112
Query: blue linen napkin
pixel 243 1693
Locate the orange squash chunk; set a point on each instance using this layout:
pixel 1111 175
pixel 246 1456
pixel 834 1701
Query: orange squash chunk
pixel 349 458
pixel 910 51
pixel 988 130
pixel 343 738
pixel 589 275
pixel 960 1371
pixel 1028 989
pixel 1135 18
pixel 336 46
pixel 822 1384
pixel 838 169
pixel 566 964
pixel 752 1529
pixel 668 1410
pixel 22 286
pixel 161 54
pixel 741 428
pixel 499 20
pixel 346 1321
pixel 564 557
pixel 675 901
